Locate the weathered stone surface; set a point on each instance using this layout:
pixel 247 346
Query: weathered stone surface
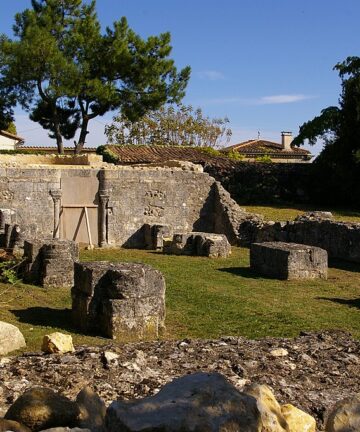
pixel 11 338
pixel 272 420
pixel 178 195
pixel 155 235
pixel 315 215
pixel 123 300
pixel 298 420
pixel 340 239
pixel 57 343
pixel 41 408
pixel 288 260
pixel 11 425
pixel 194 402
pixel 200 244
pixel 50 262
pixel 92 409
pixel 66 429
pixel 344 416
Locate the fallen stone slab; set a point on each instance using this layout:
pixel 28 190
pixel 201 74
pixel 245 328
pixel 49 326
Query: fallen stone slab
pixel 199 244
pixel 11 339
pixel 197 402
pixel 288 260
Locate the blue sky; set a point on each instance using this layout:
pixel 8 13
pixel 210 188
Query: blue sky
pixel 265 64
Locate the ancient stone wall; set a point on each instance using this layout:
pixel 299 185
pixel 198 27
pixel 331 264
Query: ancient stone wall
pixel 340 239
pixel 27 192
pixel 182 199
pixel 111 206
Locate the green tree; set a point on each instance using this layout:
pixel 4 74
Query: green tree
pixel 181 126
pixel 66 72
pixel 339 127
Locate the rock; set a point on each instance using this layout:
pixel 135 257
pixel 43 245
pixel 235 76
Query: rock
pixel 66 429
pixel 41 408
pixel 194 402
pixel 270 411
pixel 11 425
pixel 92 409
pixel 110 358
pixel 57 343
pixel 344 416
pixel 11 338
pixel 298 420
pixel 279 352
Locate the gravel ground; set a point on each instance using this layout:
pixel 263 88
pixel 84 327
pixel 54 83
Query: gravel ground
pixel 312 371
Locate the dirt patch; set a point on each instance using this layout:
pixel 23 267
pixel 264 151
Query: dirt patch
pixel 312 371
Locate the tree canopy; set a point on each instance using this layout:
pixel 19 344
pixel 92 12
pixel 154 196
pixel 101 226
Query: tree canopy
pixel 338 164
pixel 179 125
pixel 66 72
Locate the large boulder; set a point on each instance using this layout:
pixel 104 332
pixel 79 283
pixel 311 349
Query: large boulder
pixel 272 419
pixel 41 408
pixel 298 420
pixel 92 408
pixel 11 338
pixel 11 425
pixel 344 416
pixel 198 402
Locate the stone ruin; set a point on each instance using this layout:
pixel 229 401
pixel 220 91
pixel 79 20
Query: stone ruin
pixel 288 260
pixel 50 262
pixel 199 244
pixel 341 240
pixel 122 300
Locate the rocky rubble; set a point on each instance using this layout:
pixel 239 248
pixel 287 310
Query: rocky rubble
pixel 313 372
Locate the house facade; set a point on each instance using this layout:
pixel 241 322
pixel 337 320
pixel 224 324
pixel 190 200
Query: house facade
pixel 9 141
pixel 283 152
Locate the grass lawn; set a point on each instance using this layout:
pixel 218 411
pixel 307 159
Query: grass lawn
pixel 205 299
pixel 283 213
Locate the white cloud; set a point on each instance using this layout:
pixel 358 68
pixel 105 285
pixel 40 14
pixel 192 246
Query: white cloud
pixel 283 99
pixel 211 75
pixel 264 100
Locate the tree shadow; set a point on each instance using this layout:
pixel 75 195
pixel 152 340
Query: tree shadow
pixel 45 316
pixel 354 303
pixel 245 272
pixel 344 265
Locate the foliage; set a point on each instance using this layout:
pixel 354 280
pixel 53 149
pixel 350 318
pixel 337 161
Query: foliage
pixel 339 127
pixel 65 72
pixel 263 159
pixel 11 128
pixel 8 272
pixel 234 155
pixel 107 154
pixel 177 126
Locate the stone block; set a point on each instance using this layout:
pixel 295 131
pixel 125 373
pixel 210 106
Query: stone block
pixel 122 300
pixel 50 262
pixel 288 260
pixel 154 236
pixel 199 244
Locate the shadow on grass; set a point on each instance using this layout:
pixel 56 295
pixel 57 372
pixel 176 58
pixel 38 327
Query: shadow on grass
pixel 47 317
pixel 354 303
pixel 244 272
pixel 344 265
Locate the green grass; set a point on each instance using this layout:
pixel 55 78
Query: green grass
pixel 283 213
pixel 205 299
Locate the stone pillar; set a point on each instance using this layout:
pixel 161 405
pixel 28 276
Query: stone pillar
pixel 104 196
pixel 56 196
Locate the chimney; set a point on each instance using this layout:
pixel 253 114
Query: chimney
pixel 286 140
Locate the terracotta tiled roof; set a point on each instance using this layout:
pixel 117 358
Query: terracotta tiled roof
pixel 54 149
pixel 153 154
pixel 12 136
pixel 256 147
